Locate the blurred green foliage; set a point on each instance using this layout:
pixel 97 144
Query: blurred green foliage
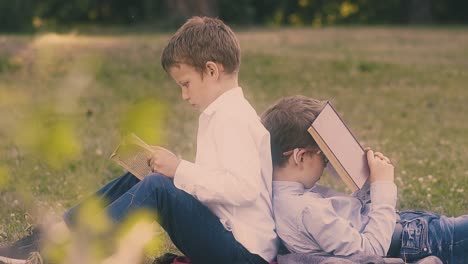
pixel 17 15
pixel 95 238
pixel 146 119
pixel 33 15
pixel 50 137
pixel 4 177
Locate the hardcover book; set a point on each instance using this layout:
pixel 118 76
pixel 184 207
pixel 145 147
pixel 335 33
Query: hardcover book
pixel 132 154
pixel 340 147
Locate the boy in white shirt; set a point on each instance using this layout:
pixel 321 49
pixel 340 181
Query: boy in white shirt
pixel 314 219
pixel 217 209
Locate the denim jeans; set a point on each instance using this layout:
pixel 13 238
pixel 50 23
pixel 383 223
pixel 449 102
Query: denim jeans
pixel 429 234
pixel 192 227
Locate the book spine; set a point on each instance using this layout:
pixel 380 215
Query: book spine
pixel 347 179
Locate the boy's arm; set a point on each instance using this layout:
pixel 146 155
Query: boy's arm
pixel 239 181
pixel 325 191
pixel 337 236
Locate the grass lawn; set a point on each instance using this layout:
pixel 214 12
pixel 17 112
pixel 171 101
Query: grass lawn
pixel 66 100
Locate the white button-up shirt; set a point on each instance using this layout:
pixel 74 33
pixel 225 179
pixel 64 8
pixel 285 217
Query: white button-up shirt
pixel 232 173
pixel 319 220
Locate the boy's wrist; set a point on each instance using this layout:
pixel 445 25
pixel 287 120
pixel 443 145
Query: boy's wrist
pixel 382 180
pixel 383 192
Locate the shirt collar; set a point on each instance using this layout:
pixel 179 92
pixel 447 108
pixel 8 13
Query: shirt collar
pixel 230 95
pixel 288 187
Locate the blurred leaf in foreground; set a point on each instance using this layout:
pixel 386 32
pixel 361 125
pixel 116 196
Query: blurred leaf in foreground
pixel 4 177
pixel 50 137
pixel 147 120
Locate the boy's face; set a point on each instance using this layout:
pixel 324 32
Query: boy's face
pixel 197 91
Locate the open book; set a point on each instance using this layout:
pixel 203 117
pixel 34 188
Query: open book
pixel 340 147
pixel 132 154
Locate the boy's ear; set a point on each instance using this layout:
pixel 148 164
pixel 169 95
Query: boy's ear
pixel 212 69
pixel 295 162
pixel 300 159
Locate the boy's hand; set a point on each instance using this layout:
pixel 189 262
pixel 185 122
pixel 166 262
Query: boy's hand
pixel 381 168
pixel 163 161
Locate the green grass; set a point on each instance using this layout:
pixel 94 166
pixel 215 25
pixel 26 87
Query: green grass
pixel 403 91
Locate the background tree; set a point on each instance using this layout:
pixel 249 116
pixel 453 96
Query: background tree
pixel 21 15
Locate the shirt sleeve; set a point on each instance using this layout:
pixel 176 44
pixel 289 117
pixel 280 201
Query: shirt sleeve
pixel 337 236
pixel 363 194
pixel 238 177
pixel 326 191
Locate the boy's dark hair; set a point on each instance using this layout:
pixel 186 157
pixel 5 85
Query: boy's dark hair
pixel 287 121
pixel 203 39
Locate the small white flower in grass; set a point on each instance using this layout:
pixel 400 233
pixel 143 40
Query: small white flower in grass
pixel 429 196
pixel 420 179
pixel 460 190
pixel 428 189
pixel 429 177
pixel 99 152
pixel 12 215
pixel 444 142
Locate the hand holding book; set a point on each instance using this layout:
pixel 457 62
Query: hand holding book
pixel 352 163
pixel 381 169
pixel 141 159
pixel 163 161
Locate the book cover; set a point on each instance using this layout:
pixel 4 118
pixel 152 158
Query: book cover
pixel 132 154
pixel 340 147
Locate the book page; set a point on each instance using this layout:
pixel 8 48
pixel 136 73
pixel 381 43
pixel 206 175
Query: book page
pixel 343 144
pixel 132 154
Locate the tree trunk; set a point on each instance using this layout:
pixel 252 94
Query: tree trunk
pixel 420 12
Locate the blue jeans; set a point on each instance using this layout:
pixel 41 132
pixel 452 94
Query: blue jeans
pixel 192 227
pixel 429 234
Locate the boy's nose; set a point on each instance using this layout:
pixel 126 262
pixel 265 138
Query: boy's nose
pixel 185 96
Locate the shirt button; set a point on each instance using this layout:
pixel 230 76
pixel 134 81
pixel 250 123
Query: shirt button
pixel 425 249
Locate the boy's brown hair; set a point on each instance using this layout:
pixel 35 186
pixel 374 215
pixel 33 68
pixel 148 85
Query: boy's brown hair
pixel 287 121
pixel 203 39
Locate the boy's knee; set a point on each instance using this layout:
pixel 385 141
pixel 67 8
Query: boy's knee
pixel 158 181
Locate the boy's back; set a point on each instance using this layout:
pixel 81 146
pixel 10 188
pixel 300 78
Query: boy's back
pixel 232 171
pixel 305 219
